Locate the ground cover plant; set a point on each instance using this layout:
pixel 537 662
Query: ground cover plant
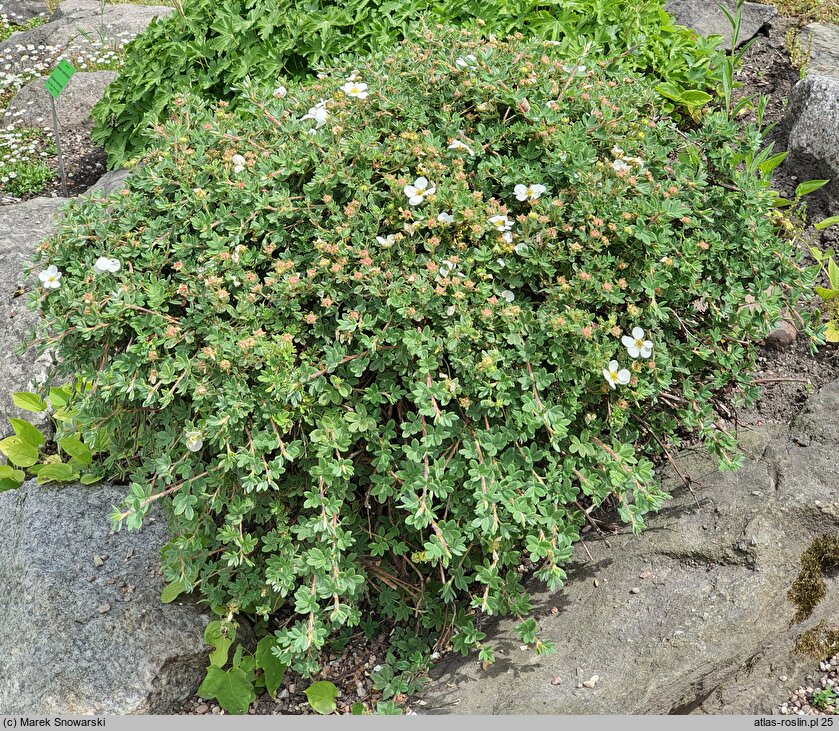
pixel 209 48
pixel 377 341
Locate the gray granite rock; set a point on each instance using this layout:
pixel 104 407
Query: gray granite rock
pixel 76 18
pixel 820 44
pixel 706 18
pixel 22 227
pixel 84 630
pixel 693 614
pixel 19 11
pixel 32 102
pixel 812 126
pixel 109 182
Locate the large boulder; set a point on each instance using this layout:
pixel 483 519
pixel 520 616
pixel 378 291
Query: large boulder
pixel 75 19
pixel 820 44
pixel 109 182
pixel 31 107
pixel 706 18
pixel 22 227
pixel 19 11
pixel 84 630
pixel 693 614
pixel 812 126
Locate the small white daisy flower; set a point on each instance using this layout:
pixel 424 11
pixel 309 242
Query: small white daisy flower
pixel 194 440
pixel 239 163
pixel 445 218
pixel 280 92
pixel 508 295
pixel 50 277
pixel 386 241
pixel 419 191
pixel 355 89
pixel 458 145
pixel 529 192
pixel 104 264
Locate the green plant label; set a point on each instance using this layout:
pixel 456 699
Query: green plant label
pixel 58 79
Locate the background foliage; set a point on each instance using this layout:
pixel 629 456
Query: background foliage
pixel 209 47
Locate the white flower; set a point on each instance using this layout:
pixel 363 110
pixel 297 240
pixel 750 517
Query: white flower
pixel 446 268
pixel 194 440
pixel 569 69
pixel 614 376
pixel 104 264
pixel 501 262
pixel 620 166
pixel 529 192
pixel 501 223
pixel 458 145
pixel 386 241
pixel 636 345
pixel 238 163
pixel 280 92
pixel 522 248
pixel 507 236
pixel 465 63
pixel 445 218
pixel 418 192
pixel 355 89
pixel 319 113
pixel 50 277
pixel 508 295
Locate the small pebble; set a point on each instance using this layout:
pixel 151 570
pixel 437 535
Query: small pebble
pixel 634 590
pixel 557 680
pixel 103 608
pixel 591 682
pixel 202 708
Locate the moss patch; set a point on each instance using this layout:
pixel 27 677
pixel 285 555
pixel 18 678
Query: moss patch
pixel 809 588
pixel 819 642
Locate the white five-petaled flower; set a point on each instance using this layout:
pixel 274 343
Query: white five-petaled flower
pixel 104 264
pixel 458 145
pixel 355 89
pixel 238 163
pixel 636 345
pixel 50 277
pixel 386 241
pixel 619 166
pixel 445 218
pixel 529 192
pixel 319 113
pixel 508 295
pixel 194 440
pixel 419 191
pixel 280 92
pixel 614 376
pixel 501 223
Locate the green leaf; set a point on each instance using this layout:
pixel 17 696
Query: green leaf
pixel 220 635
pixel 357 709
pixel 670 90
pixel 231 688
pixel 29 401
pixel 809 186
pixel 90 478
pixel 321 697
pixel 833 273
pixel 831 333
pixel 821 225
pixel 768 165
pixel 57 472
pixel 826 294
pixel 59 396
pixel 31 435
pixel 781 202
pixel 172 591
pixel 695 98
pixel 10 478
pixel 76 449
pixel 18 452
pixel 270 664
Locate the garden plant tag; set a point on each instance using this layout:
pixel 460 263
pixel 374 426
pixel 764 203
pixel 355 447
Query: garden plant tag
pixel 55 85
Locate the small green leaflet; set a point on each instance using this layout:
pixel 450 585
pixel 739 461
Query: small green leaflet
pixel 274 670
pixel 231 688
pixel 76 449
pixel 29 401
pixel 10 478
pixel 58 79
pixel 321 697
pixel 171 592
pixel 221 636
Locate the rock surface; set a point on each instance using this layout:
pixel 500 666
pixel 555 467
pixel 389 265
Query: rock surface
pixel 711 629
pixel 706 18
pixel 75 18
pixel 812 126
pixel 22 227
pixel 32 102
pixel 19 11
pixel 820 43
pixel 84 631
pixel 109 182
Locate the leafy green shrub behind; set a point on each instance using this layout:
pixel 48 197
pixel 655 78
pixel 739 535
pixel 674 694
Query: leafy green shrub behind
pixel 376 342
pixel 210 48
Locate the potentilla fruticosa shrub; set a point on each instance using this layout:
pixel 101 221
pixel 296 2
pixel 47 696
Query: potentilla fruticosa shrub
pixel 377 342
pixel 209 48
